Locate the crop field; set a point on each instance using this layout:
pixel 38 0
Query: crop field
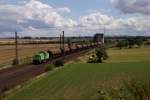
pixel 7 52
pixel 83 81
pixel 117 55
pixel 129 55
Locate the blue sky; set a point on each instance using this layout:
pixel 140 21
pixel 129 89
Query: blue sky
pixel 119 17
pixel 81 7
pixel 78 7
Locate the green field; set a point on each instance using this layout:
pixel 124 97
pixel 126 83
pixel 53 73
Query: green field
pixel 129 55
pixel 116 55
pixel 82 81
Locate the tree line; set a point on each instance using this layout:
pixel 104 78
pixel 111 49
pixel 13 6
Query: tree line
pixel 130 43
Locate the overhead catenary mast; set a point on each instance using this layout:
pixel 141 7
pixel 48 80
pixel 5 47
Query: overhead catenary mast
pixel 63 41
pixel 103 41
pixel 16 48
pixel 60 42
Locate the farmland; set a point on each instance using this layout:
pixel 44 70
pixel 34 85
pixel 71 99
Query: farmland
pixel 7 52
pixel 82 80
pixel 124 55
pixel 74 49
pixel 129 55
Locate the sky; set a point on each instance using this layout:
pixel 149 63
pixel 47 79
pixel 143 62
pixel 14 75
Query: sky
pixel 75 17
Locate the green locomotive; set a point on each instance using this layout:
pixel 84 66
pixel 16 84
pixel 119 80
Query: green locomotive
pixel 40 57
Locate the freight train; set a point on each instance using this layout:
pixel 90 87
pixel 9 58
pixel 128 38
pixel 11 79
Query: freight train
pixel 44 56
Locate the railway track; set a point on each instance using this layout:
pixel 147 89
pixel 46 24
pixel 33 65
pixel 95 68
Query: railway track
pixel 11 77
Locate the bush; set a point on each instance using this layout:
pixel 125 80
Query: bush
pixel 105 54
pixel 49 67
pixel 130 43
pixel 59 63
pixel 121 44
pixel 92 59
pixel 147 43
pixel 99 56
pixel 15 62
pixel 139 42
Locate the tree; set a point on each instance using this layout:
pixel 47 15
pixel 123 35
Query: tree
pixel 139 42
pixel 121 44
pixel 101 54
pixel 105 54
pixel 92 59
pixel 59 63
pixel 131 43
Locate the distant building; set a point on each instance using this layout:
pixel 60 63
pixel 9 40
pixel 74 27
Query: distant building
pixel 99 37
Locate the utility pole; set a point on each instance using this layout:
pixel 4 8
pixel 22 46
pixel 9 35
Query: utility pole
pixel 63 40
pixel 60 42
pixel 103 35
pixel 16 47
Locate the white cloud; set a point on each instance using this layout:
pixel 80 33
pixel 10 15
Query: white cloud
pixel 120 26
pixel 33 17
pixel 65 9
pixel 32 13
pixel 133 6
pixel 95 19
